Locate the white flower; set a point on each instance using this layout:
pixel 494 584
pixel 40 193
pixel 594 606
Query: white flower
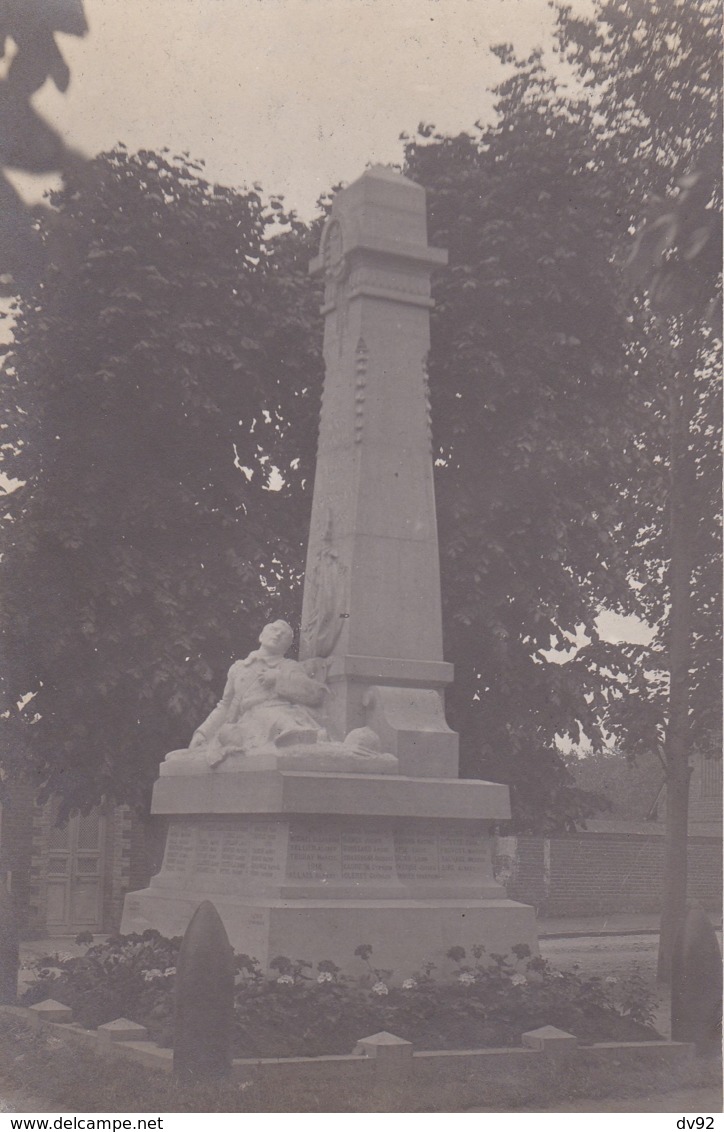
pixel 518 980
pixel 409 984
pixel 154 973
pixel 466 977
pixel 610 979
pixel 380 988
pixel 285 979
pixel 169 971
pixel 324 977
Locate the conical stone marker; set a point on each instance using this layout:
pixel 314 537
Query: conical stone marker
pixel 204 1016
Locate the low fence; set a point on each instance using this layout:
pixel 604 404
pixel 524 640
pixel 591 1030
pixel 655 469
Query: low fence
pixel 384 1066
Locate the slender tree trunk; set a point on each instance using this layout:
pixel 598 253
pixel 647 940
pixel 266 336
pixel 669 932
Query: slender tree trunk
pixel 677 746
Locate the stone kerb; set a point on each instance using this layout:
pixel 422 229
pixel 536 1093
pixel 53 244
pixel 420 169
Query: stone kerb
pixel 386 1049
pixel 550 1040
pixel 122 1030
pixel 49 1011
pixel 382 1059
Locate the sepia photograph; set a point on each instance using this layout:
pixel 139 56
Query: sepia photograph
pixel 360 561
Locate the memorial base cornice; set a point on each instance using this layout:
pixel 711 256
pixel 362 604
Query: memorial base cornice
pixel 287 792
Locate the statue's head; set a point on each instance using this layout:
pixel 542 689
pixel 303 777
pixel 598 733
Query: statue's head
pixel 276 637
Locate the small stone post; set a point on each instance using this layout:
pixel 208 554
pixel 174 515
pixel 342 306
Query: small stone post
pixel 9 951
pixel 696 983
pixel 204 1000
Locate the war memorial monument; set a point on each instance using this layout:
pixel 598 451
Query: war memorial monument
pixel 319 806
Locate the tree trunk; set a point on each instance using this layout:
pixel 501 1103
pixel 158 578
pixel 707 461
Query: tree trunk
pixel 675 867
pixel 677 745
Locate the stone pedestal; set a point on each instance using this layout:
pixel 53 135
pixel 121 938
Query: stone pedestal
pixel 311 865
pixel 301 855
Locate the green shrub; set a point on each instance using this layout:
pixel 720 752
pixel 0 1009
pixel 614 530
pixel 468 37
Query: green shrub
pixel 126 976
pixel 302 1010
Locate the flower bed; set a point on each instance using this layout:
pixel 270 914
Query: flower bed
pixel 299 1009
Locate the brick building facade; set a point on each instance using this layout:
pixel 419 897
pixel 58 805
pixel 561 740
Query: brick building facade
pixel 590 873
pixel 71 878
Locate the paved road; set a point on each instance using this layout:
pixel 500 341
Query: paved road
pixel 603 954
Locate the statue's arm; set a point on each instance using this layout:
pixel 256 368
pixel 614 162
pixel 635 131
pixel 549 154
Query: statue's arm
pixel 206 731
pixel 294 685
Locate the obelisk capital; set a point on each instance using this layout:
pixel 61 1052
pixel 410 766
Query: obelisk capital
pixel 382 214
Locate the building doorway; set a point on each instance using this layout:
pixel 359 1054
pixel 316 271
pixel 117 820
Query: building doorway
pixel 74 874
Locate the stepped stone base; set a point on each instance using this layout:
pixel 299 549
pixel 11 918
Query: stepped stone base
pixel 316 864
pixel 404 934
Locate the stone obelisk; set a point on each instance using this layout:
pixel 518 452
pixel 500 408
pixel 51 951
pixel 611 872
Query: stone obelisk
pixel 312 851
pixel 372 592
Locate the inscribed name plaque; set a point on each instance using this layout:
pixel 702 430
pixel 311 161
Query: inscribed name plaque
pixel 222 851
pixel 439 853
pixel 338 853
pixel 314 855
pixel 463 854
pixel 368 854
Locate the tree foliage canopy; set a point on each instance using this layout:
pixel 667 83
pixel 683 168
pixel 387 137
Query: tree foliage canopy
pixel 558 501
pixel 170 361
pixel 157 375
pixel 530 407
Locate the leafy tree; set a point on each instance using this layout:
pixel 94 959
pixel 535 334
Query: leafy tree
pixel 656 71
pixel 161 371
pixel 584 428
pixel 531 405
pixel 631 787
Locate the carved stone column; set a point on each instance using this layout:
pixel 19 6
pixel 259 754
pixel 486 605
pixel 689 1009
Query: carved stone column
pixel 372 593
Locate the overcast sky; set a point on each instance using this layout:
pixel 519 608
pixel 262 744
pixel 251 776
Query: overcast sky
pixel 296 94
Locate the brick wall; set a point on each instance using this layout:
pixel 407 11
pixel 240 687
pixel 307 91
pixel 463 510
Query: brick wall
pixel 588 873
